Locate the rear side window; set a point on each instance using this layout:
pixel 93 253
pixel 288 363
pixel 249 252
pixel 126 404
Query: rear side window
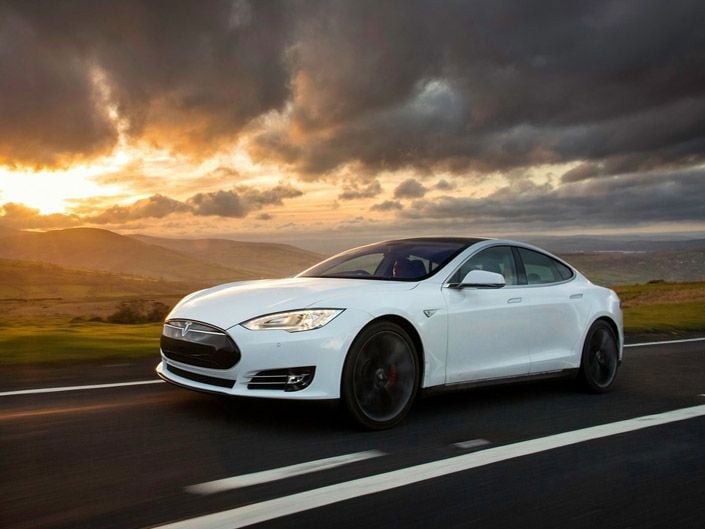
pixel 542 269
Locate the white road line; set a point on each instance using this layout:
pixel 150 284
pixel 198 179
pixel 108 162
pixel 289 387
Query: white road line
pixel 266 476
pixel 312 499
pixel 665 343
pixel 78 388
pixel 472 443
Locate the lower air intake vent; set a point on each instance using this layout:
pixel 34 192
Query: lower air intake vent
pixel 203 379
pixel 291 379
pixel 198 344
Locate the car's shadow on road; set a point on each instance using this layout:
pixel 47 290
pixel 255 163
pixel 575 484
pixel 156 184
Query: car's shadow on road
pixel 266 414
pixel 430 412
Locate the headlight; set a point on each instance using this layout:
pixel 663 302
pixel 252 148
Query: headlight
pixel 294 321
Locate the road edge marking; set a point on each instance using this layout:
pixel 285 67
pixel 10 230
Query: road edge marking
pixel 321 497
pixel 472 443
pixel 78 388
pixel 685 340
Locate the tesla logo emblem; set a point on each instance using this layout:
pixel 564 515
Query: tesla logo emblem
pixel 429 312
pixel 185 328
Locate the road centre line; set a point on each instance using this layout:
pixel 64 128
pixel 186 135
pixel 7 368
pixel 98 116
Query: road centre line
pixel 78 388
pixel 312 499
pixel 256 478
pixel 472 443
pixel 665 343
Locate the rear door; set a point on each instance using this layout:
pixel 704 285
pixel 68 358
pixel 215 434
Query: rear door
pixel 557 311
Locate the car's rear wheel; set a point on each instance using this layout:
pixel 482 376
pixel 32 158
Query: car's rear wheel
pixel 600 360
pixel 381 376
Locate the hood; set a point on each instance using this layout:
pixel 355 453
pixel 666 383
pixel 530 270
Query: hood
pixel 227 305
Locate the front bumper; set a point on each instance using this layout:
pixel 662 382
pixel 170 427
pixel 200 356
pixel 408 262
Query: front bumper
pixel 321 352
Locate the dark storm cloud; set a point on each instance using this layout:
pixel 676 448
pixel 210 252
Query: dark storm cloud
pixel 627 201
pixel 410 188
pixel 48 112
pixel 220 203
pixel 465 87
pixel 256 198
pixel 184 75
pixel 492 86
pixel 239 201
pixel 444 185
pixel 156 206
pixel 387 205
pixel 355 191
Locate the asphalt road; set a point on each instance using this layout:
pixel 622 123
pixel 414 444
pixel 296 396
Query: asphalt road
pixel 125 457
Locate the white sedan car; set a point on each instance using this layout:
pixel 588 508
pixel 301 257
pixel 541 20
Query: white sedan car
pixel 376 325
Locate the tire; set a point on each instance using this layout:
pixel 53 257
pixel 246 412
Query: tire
pixel 600 359
pixel 380 376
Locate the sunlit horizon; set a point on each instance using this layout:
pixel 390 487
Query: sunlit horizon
pixel 278 127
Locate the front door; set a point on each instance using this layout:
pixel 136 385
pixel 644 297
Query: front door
pixel 487 328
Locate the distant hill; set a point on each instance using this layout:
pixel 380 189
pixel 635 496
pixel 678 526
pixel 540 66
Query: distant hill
pixel 95 249
pixel 23 280
pixel 580 244
pixel 260 259
pixel 620 268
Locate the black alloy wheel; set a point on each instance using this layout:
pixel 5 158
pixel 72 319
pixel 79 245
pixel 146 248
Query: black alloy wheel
pixel 381 376
pixel 600 360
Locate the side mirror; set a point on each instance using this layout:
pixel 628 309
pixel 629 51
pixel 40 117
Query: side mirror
pixel 482 279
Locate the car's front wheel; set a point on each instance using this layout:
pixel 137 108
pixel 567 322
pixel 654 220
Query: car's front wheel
pixel 600 360
pixel 381 376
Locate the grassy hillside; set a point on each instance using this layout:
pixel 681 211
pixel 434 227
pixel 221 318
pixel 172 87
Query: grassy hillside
pixel 261 259
pixel 94 249
pixel 41 290
pixel 29 280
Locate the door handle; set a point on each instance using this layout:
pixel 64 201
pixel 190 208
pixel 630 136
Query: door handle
pixel 514 300
pixel 576 296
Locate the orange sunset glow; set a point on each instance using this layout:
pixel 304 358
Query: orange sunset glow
pixel 241 121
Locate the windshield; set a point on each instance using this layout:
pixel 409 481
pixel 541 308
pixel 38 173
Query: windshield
pixel 406 260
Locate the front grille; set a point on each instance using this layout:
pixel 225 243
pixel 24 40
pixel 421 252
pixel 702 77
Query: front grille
pixel 290 379
pixel 198 344
pixel 203 379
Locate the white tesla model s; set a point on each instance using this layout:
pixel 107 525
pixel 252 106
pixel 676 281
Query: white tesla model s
pixel 376 325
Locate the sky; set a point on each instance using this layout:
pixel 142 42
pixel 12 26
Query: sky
pixel 338 121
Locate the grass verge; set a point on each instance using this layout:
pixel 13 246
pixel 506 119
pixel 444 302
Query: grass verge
pixel 57 340
pixel 663 307
pixel 666 317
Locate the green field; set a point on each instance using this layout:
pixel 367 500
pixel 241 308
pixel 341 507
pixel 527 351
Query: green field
pixel 58 340
pixel 663 307
pixel 652 308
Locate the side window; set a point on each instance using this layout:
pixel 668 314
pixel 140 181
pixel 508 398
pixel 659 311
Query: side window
pixel 498 259
pixel 542 269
